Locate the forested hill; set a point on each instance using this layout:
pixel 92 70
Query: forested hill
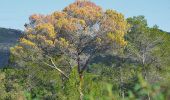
pixel 8 37
pixel 164 31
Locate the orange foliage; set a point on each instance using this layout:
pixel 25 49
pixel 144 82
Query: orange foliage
pixel 84 10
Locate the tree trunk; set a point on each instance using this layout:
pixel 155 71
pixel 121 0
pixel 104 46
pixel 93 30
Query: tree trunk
pixel 80 85
pixel 145 73
pixel 121 84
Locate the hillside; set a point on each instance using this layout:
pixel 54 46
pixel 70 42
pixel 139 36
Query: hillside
pixel 8 38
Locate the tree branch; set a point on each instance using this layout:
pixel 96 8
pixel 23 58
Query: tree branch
pixel 54 66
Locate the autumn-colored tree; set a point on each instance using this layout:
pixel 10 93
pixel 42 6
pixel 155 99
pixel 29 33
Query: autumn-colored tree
pixel 80 32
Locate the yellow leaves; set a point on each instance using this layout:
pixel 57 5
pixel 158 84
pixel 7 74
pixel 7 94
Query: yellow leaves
pixel 47 26
pixel 52 34
pixel 16 48
pixel 41 36
pixel 27 42
pixel 58 15
pixel 87 11
pixel 77 18
pixel 61 22
pixel 63 42
pixel 81 11
pixel 44 41
pixel 110 13
pixel 82 22
pixel 98 15
pixel 123 42
pixel 120 33
pixel 31 36
pixel 115 23
pixel 49 42
pixel 117 18
pixel 115 15
pixel 98 40
pixel 117 38
pixel 48 29
pixel 111 36
pixel 69 24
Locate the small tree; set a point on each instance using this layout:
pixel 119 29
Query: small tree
pixel 79 32
pixel 145 43
pixel 145 47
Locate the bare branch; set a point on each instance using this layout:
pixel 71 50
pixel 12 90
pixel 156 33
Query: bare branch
pixel 54 66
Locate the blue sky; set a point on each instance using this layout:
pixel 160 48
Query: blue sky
pixel 14 13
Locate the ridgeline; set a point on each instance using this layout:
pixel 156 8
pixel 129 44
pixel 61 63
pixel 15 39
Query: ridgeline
pixel 8 38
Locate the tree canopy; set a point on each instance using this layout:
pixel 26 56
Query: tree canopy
pixel 79 32
pixel 87 53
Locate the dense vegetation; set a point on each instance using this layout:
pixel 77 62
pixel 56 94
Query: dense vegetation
pixel 86 53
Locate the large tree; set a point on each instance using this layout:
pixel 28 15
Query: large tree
pixel 79 32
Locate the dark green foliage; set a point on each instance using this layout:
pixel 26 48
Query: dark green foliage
pixel 10 87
